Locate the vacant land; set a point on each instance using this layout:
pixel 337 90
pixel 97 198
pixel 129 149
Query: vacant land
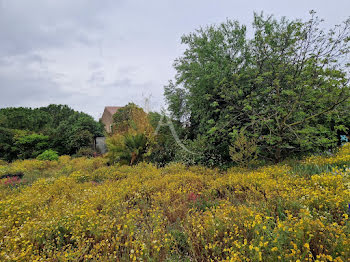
pixel 82 209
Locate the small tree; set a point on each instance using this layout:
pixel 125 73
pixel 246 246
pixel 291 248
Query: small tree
pixel 132 119
pixel 132 137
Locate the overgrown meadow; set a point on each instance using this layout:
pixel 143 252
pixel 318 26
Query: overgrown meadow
pixel 83 210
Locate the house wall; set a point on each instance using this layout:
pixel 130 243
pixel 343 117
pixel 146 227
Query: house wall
pixel 107 120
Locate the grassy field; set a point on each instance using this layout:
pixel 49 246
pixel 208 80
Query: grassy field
pixel 83 210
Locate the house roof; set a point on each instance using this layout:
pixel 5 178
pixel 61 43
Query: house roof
pixel 112 109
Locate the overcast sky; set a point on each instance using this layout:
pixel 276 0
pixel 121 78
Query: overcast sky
pixel 89 54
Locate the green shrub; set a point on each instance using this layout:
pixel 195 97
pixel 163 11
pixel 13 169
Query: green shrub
pixel 31 145
pixel 195 152
pixel 85 151
pixel 48 155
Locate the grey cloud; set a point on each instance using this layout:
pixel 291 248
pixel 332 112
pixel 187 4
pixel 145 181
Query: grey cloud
pixel 89 54
pixel 31 25
pixel 96 78
pixel 28 90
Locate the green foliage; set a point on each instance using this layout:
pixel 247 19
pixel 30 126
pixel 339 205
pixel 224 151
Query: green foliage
pixel 67 130
pixel 194 152
pixel 24 118
pixel 180 243
pixel 287 86
pixel 132 119
pixel 116 149
pixel 85 152
pixel 133 136
pixel 31 145
pixel 165 147
pixel 7 149
pixel 75 132
pixel 48 155
pixel 127 149
pixel 136 147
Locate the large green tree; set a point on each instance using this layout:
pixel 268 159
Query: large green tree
pixel 73 132
pixel 8 151
pixel 286 87
pixel 59 126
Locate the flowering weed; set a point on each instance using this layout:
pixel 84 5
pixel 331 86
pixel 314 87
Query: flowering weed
pixel 82 210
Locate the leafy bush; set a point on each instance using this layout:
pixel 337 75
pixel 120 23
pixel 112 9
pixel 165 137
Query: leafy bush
pixel 127 149
pixel 48 155
pixel 195 152
pixel 31 145
pixel 85 151
pixel 166 144
pixel 133 136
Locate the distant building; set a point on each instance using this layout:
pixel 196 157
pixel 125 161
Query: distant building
pixel 107 117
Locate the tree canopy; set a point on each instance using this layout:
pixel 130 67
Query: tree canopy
pixel 27 132
pixel 132 136
pixel 286 87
